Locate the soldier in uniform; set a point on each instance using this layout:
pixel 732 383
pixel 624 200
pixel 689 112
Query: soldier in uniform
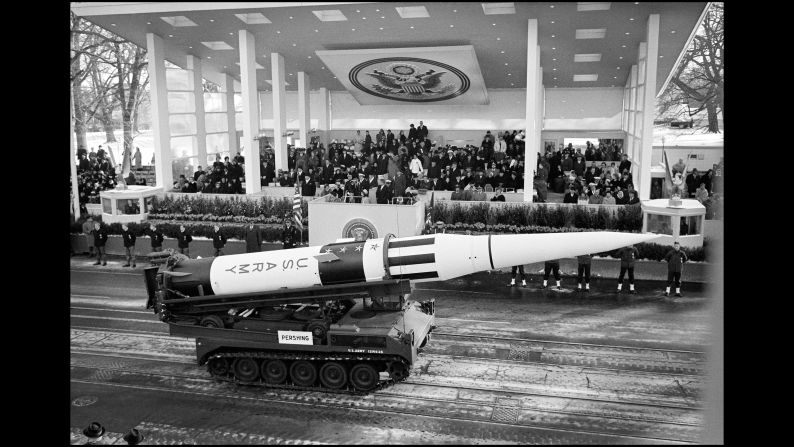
pixel 675 261
pixel 289 235
pixel 157 238
pixel 627 257
pixel 253 239
pixel 129 245
pixel 584 268
pixel 218 241
pixel 520 268
pixel 547 268
pixel 184 239
pixel 100 237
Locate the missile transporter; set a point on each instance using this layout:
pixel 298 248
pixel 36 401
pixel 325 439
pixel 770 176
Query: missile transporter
pixel 336 317
pixel 344 337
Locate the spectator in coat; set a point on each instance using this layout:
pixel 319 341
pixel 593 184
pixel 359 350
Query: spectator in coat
pixel 183 241
pixel 608 199
pixel 100 238
pixel 218 240
pixel 498 196
pixel 675 263
pixel 384 193
pixel 633 199
pixel 701 194
pixel 137 157
pixel 571 196
pixel 627 257
pixel 253 239
pixel 88 230
pixel 129 245
pixel 692 182
pixel 596 198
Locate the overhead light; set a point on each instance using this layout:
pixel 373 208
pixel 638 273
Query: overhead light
pixel 553 35
pixel 334 77
pixel 381 28
pixel 510 74
pixel 112 24
pixel 505 63
pixel 363 18
pixel 454 10
pixel 592 57
pixel 553 48
pixel 231 34
pixel 310 57
pixel 254 18
pixel 493 24
pixel 551 6
pixel 316 31
pixel 614 77
pixel 618 68
pixel 190 48
pixel 624 46
pixel 452 26
pixel 498 8
pixel 212 20
pixel 503 51
pixel 353 29
pixel 511 84
pixel 382 17
pixel 412 12
pixel 498 38
pixel 554 69
pixel 209 57
pixel 217 45
pixel 593 6
pixel 596 33
pixel 661 55
pixel 632 19
pixel 178 21
pixel 148 23
pixel 621 57
pixel 554 59
pixel 357 10
pixel 278 32
pixel 290 74
pixel 322 68
pixel 290 17
pixel 170 35
pixel 377 10
pixel 224 66
pixel 627 33
pixel 672 32
pixel 294 45
pixel 555 79
pixel 552 22
pixel 412 27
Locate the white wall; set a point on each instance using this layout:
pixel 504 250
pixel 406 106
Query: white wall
pixel 710 155
pixel 583 109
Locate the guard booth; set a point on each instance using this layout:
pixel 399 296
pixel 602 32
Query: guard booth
pixel 667 218
pixel 132 204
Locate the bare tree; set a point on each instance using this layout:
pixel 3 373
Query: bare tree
pixel 699 78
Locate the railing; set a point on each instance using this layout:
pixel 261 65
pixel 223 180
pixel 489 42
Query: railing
pixel 367 200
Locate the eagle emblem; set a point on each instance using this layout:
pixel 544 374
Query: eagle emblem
pixel 404 80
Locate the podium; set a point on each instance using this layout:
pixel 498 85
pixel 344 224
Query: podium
pixel 128 205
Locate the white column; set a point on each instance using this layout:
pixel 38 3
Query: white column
pixel 304 107
pixel 279 111
pixel 75 191
pixel 635 132
pixel 250 112
pixel 155 50
pixel 231 122
pixel 324 122
pixel 532 141
pixel 194 64
pixel 649 106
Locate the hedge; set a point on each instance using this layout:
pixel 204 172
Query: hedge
pixel 263 208
pixel 626 218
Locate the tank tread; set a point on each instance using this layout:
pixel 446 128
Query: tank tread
pixel 229 377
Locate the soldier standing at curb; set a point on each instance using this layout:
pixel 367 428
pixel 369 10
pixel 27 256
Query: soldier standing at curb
pixel 184 239
pixel 157 238
pixel 100 237
pixel 253 239
pixel 675 262
pixel 88 228
pixel 129 245
pixel 218 241
pixel 547 268
pixel 520 268
pixel 289 235
pixel 584 262
pixel 627 257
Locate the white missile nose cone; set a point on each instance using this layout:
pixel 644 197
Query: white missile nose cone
pixel 198 257
pixel 508 250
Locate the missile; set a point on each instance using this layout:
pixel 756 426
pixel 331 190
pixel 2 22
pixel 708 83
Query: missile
pixel 432 257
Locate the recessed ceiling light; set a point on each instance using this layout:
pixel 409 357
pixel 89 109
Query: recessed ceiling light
pixel 632 19
pixel 554 59
pixel 190 48
pixel 628 34
pixel 316 31
pixel 672 32
pixel 452 26
pixel 661 55
pixel 624 46
pixel 231 34
pixel 294 45
pixel 353 29
pixel 148 23
pixel 224 66
pixel 555 79
pixel 209 57
pixel 170 35
pixel 412 27
pixel 618 68
pixel 615 77
pixel 503 51
pixel 290 17
pixel 310 57
pixel 498 38
pixel 322 68
pixel 554 69
pixel 377 10
pixel 112 24
pixel 563 100
pixel 278 32
pixel 621 57
pixel 553 48
pixel 382 17
pixel 381 28
pixel 454 10
pixel 552 22
pixel 551 6
pixel 510 74
pixel 505 63
pixel 363 18
pixel 553 35
pixel 334 77
pixel 636 3
pixel 512 83
pixel 212 20
pixel 357 10
pixel 493 24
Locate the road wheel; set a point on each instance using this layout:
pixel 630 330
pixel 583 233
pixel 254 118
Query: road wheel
pixel 246 369
pixel 303 373
pixel 333 375
pixel 274 371
pixel 398 371
pixel 212 321
pixel 218 366
pixel 364 377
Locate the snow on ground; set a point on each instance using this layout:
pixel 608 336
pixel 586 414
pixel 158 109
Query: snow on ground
pixel 664 135
pixel 143 140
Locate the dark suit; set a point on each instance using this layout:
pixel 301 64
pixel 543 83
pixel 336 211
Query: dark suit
pixel 383 194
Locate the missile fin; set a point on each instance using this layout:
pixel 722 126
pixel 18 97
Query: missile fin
pixel 179 274
pixel 326 257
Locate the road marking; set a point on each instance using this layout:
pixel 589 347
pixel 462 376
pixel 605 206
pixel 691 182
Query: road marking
pixel 106 272
pixel 113 310
pixel 455 291
pixel 115 319
pixel 475 321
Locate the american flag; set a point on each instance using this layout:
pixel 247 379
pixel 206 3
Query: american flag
pixel 297 215
pixel 429 214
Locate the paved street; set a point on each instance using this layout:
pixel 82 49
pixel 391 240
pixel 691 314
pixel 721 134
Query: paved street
pixel 505 365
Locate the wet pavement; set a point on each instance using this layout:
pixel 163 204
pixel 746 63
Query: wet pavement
pixel 505 365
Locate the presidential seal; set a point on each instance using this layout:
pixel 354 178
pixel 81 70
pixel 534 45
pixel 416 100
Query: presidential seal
pixel 409 79
pixel 360 230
